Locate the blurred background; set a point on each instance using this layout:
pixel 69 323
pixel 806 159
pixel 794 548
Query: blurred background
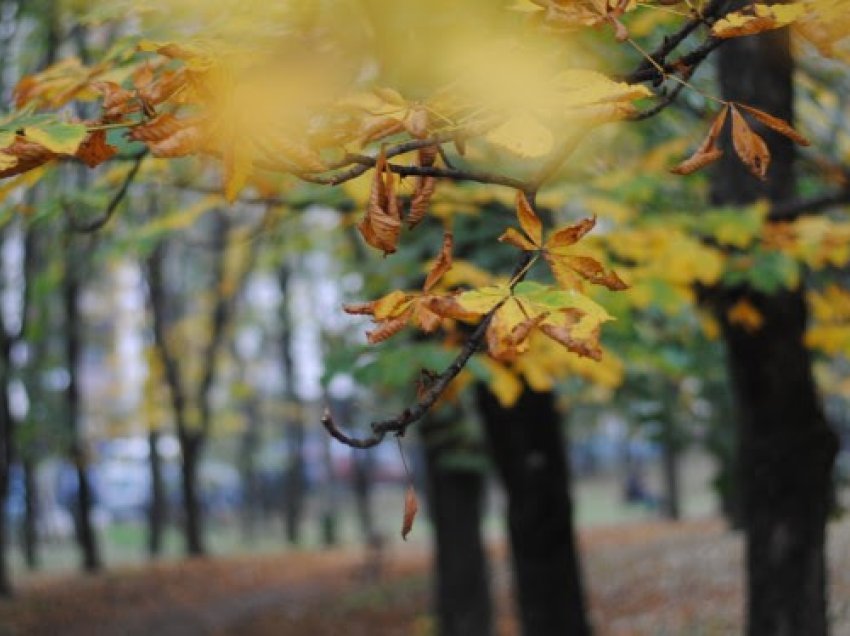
pixel 167 367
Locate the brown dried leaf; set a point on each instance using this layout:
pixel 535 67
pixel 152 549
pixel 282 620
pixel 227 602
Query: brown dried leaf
pixel 425 187
pixel 588 348
pixel 528 220
pixel 386 329
pixel 515 238
pixel 117 101
pixel 520 332
pixel 411 507
pixel 749 146
pixel 186 141
pixel 360 309
pixel 697 161
pixel 590 269
pixel 28 155
pixel 707 152
pixel 381 226
pixel 775 123
pixel 94 150
pixel 571 234
pixel 448 307
pixel 427 155
pixel 158 129
pixel 442 264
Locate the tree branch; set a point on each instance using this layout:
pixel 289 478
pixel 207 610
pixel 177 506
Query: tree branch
pixel 88 227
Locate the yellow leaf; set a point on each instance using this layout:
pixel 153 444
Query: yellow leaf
pixel 523 135
pixel 757 18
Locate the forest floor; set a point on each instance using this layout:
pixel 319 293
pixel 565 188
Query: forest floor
pixel 643 578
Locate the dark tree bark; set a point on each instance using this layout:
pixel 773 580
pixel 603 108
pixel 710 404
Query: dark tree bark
pixel 191 445
pixel 528 446
pixel 786 450
pixel 156 506
pixel 294 486
pixel 362 485
pixel 86 536
pixel 455 502
pixel 247 467
pixel 30 521
pixel 7 427
pixel 670 465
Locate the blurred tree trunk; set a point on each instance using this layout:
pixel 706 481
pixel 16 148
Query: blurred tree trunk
pixel 248 447
pixel 528 446
pixel 294 486
pixel 156 508
pixel 455 502
pixel 363 481
pixel 786 450
pixel 191 445
pixel 30 521
pixel 670 464
pixel 86 537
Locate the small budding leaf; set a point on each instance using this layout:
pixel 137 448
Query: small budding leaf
pixel 411 507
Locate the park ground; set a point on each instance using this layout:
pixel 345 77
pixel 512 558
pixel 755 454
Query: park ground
pixel 643 578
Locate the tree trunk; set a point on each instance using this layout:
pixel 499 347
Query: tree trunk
pixel 670 464
pixel 250 479
pixel 30 522
pixel 462 585
pixel 191 446
pixel 86 537
pixel 786 449
pixel 156 507
pixel 294 487
pixel 528 446
pixel 362 484
pixel 5 578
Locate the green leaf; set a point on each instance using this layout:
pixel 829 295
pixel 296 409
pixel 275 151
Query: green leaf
pixel 57 136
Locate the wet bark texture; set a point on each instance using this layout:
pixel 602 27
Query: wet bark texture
pixel 786 450
pixel 528 445
pixel 456 505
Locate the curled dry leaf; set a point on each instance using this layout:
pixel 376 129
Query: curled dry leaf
pixel 411 507
pixel 360 309
pixel 708 151
pixel 422 194
pixel 22 156
pixel 775 123
pixel 170 136
pixel 749 146
pixel 117 101
pixel 381 226
pixel 427 155
pixel 386 329
pixel 517 239
pixel 442 264
pixel 570 234
pixel 528 220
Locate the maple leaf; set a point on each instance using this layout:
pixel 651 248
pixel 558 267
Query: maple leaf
pixel 557 250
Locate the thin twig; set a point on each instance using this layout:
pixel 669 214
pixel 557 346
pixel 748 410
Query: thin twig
pixel 87 227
